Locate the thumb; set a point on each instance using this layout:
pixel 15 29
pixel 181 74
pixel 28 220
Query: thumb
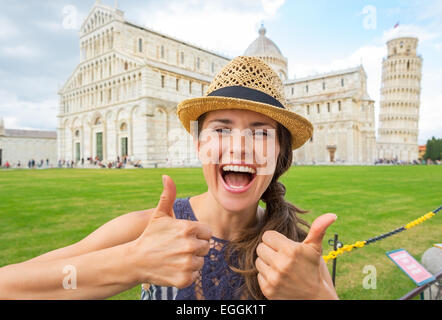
pixel 167 198
pixel 318 229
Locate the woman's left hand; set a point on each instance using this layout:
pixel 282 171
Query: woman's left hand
pixel 295 270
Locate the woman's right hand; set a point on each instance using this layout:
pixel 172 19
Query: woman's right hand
pixel 170 252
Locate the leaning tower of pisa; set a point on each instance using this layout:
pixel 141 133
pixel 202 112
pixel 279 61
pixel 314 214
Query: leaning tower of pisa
pixel 400 101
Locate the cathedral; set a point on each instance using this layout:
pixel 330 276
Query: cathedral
pixel 121 99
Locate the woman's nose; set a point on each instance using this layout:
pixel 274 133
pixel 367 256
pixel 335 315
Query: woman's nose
pixel 241 145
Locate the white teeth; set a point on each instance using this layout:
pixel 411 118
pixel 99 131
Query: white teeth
pixel 239 169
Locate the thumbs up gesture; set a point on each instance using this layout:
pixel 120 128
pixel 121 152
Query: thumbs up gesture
pixel 170 251
pixel 295 270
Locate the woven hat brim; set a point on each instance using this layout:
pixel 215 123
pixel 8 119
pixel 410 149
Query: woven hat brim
pixel 300 128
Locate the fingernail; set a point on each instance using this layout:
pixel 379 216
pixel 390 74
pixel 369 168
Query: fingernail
pixel 164 180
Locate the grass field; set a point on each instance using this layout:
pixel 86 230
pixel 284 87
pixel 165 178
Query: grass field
pixel 41 210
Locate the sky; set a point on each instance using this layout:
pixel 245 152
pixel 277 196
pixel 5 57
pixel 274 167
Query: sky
pixel 39 43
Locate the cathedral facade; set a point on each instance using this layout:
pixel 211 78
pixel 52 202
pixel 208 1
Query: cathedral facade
pixel 121 99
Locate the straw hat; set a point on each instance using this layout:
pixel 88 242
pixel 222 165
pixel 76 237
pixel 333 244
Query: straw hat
pixel 248 83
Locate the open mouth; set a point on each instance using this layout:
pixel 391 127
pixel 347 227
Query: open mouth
pixel 237 178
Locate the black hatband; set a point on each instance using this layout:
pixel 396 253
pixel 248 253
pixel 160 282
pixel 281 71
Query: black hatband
pixel 246 93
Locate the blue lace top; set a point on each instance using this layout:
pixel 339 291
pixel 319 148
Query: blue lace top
pixel 216 281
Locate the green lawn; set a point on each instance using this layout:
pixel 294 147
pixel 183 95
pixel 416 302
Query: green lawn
pixel 41 210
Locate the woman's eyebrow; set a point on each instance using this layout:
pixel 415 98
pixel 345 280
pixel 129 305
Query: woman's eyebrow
pixel 262 124
pixel 225 121
pixel 253 124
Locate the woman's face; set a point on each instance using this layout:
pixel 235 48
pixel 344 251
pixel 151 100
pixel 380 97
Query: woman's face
pixel 238 150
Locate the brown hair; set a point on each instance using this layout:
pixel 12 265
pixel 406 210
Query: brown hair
pixel 279 215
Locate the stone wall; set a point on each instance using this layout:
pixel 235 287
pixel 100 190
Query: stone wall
pixel 23 149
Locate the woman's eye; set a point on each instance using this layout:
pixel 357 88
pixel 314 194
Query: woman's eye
pixel 260 133
pixel 223 131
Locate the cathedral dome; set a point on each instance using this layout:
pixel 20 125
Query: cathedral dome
pixel 264 48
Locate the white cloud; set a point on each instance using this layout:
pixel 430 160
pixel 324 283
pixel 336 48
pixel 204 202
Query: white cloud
pixel 371 59
pixel 20 51
pixel 65 18
pixel 22 114
pixel 394 11
pixel 272 6
pixel 429 10
pixel 51 26
pixel 8 29
pixel 430 114
pixel 438 46
pixel 222 26
pixel 410 30
pixel 14 123
pixel 430 118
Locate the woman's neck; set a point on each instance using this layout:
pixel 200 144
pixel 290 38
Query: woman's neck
pixel 224 224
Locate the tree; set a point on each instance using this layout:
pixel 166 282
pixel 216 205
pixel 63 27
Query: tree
pixel 433 149
pixel 428 149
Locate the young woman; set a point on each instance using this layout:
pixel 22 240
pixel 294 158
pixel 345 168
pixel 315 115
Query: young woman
pixel 217 245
